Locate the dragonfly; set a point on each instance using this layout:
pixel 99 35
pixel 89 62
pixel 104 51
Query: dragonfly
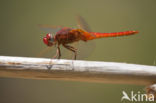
pixel 66 35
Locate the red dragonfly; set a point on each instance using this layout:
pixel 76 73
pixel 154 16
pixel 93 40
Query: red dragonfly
pixel 66 36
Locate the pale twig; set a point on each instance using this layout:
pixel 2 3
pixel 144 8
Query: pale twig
pixel 76 70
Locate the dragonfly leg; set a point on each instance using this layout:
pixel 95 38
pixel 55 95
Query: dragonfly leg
pixel 58 53
pixel 71 49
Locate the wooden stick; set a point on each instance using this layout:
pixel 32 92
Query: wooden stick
pixel 76 70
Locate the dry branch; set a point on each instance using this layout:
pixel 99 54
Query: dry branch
pixel 92 71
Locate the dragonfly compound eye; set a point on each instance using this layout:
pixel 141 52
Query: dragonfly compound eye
pixel 45 40
pixel 48 36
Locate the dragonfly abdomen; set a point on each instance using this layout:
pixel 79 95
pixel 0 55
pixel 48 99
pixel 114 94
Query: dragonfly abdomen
pixel 102 35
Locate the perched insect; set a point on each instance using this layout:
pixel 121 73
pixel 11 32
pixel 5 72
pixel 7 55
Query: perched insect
pixel 66 35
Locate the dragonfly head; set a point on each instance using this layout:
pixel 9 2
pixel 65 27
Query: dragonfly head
pixel 49 40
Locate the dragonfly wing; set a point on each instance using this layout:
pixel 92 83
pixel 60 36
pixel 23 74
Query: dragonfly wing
pixel 49 28
pixel 82 23
pixel 85 49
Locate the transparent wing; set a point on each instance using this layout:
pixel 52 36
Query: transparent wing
pixel 49 28
pixel 82 23
pixel 47 52
pixel 85 49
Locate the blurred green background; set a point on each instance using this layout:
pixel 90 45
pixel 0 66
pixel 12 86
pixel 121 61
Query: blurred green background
pixel 20 36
